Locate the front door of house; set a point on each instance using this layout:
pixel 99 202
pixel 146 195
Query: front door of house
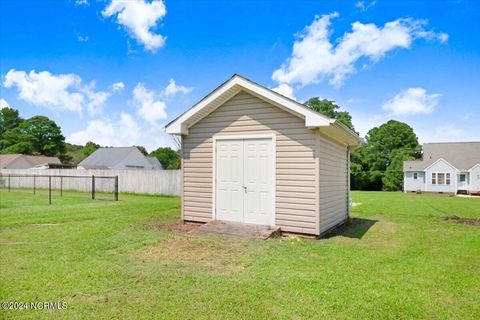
pixel 244 180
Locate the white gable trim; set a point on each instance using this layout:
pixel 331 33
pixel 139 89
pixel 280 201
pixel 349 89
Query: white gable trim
pixel 474 166
pixel 441 159
pixel 216 98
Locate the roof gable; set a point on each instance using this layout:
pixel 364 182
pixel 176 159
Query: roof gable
pixel 233 86
pixel 107 157
pixel 441 160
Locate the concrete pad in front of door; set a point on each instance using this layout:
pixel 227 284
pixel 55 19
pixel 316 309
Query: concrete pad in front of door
pixel 227 228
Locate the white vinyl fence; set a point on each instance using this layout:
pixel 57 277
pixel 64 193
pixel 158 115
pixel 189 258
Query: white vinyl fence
pixel 135 181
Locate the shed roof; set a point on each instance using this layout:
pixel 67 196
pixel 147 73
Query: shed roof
pixel 237 83
pixel 106 157
pixel 461 155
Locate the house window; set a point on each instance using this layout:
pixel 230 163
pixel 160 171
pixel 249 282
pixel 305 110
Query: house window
pixel 415 176
pixel 441 178
pixel 462 178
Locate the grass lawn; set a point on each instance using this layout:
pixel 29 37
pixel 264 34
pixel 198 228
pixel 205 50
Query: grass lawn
pixel 129 259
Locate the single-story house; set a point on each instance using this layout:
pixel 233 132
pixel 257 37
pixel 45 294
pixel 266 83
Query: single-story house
pixel 252 155
pixel 448 167
pixel 23 161
pixel 119 158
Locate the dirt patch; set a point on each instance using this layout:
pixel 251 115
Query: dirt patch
pixel 464 220
pixel 186 252
pixel 176 226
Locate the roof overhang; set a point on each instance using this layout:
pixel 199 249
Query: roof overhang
pixel 237 83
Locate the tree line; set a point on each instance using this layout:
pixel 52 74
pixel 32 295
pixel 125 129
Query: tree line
pixel 40 135
pixel 377 164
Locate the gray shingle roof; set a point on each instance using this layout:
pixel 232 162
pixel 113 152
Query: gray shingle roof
pixel 156 165
pixel 6 159
pixel 106 157
pixel 461 155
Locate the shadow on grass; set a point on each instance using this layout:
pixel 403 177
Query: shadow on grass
pixel 354 228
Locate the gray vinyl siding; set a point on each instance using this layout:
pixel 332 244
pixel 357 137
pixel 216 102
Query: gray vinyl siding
pixel 440 167
pixel 296 180
pixel 475 179
pixel 333 176
pixel 411 184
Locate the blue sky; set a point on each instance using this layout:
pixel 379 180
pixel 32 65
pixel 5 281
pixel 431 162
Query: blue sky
pixel 116 71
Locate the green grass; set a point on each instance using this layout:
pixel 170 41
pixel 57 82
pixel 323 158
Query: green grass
pixel 399 259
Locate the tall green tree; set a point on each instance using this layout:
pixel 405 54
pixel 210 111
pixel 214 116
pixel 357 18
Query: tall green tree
pixel 393 178
pixel 38 135
pixel 169 158
pixel 90 147
pixel 330 109
pixel 393 140
pixel 9 120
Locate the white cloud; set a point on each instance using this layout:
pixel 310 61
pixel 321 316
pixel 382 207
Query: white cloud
pixel 121 131
pixel 365 5
pixel 139 17
pixel 285 89
pixel 443 37
pixel 46 89
pixel 107 132
pixel 172 89
pixel 150 108
pixel 82 38
pixel 82 2
pixel 62 91
pixel 412 101
pixel 117 86
pixel 4 103
pixel 315 57
pixel 449 130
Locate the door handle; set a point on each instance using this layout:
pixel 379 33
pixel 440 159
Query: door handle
pixel 245 188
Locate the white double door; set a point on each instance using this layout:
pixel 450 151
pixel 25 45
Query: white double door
pixel 244 181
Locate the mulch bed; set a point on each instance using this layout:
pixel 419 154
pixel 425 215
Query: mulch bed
pixel 463 220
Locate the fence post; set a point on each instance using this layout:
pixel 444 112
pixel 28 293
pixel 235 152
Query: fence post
pixel 9 182
pixel 93 187
pixel 33 184
pixel 116 188
pixel 49 189
pixel 61 186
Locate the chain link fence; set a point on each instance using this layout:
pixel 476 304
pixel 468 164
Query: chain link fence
pixel 90 187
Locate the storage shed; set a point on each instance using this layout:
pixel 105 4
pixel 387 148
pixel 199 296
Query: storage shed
pixel 252 155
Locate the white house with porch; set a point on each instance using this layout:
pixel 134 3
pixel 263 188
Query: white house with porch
pixel 446 167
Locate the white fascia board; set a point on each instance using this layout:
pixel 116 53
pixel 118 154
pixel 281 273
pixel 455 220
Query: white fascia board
pixel 312 119
pixel 441 159
pixel 474 166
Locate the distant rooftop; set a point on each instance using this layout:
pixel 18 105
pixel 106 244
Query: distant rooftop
pixel 461 155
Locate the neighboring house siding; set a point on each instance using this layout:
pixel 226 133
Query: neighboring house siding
pixel 475 179
pixel 295 160
pixel 333 176
pixel 134 158
pixel 442 167
pixel 414 185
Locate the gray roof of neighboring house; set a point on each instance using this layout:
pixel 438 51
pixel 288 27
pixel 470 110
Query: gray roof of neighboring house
pixel 461 155
pixel 6 159
pixel 156 165
pixel 104 158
